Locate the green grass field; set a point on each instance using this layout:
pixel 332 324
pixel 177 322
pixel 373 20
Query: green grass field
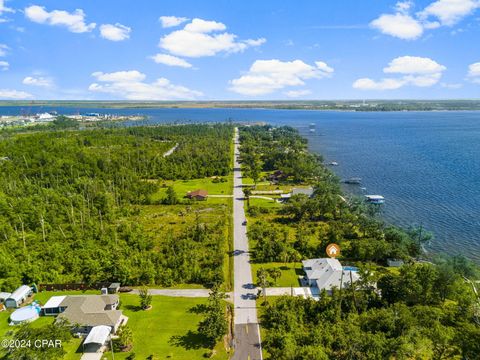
pixel 290 273
pixel 168 330
pixel 182 187
pixel 265 203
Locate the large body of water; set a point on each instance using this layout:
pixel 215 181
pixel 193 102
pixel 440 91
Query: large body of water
pixel 426 164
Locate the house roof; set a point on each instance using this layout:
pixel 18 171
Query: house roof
pixel 54 302
pixel 304 191
pixel 89 310
pixel 327 273
pixel 199 192
pixel 20 293
pixel 98 335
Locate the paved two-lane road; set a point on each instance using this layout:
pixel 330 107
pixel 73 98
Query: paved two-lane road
pixel 247 332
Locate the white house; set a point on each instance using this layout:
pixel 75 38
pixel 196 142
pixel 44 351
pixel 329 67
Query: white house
pixel 18 297
pixel 327 273
pixel 298 191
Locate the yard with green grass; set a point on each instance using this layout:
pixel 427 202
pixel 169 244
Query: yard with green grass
pixel 168 330
pixel 182 187
pixel 290 273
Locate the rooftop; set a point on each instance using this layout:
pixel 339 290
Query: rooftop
pixel 90 310
pixel 327 273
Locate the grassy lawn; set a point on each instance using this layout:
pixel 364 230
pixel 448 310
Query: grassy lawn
pixel 265 203
pixel 290 273
pixel 168 330
pixel 182 187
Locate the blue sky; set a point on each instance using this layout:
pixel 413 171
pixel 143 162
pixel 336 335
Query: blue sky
pixel 228 50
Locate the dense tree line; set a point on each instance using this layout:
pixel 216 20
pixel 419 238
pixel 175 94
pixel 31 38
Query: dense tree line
pixel 67 197
pixel 407 319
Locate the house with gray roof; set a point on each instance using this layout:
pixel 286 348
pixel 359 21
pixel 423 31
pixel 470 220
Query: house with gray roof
pixel 86 311
pixel 327 273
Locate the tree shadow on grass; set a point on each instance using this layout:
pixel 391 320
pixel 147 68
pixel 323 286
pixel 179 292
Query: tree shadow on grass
pixel 133 308
pixel 192 340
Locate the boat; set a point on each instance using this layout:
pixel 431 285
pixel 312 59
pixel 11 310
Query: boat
pixel 375 199
pixel 353 181
pixel 312 127
pixel 333 163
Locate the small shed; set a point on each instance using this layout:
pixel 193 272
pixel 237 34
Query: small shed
pixel 113 288
pixel 199 194
pixel 18 297
pixel 4 296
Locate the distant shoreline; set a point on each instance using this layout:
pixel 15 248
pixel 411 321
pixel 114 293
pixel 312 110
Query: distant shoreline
pixel 320 105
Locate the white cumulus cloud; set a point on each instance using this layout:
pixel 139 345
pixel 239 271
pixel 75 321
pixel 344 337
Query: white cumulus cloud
pixel 4 65
pixel 474 72
pixel 117 32
pixel 404 25
pixel 171 21
pixel 14 94
pixel 413 70
pixel 449 12
pixel 399 25
pixel 74 22
pixel 204 38
pixel 170 60
pixel 413 65
pixel 130 85
pixel 267 76
pixel 38 81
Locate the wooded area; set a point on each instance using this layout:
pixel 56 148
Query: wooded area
pixel 68 198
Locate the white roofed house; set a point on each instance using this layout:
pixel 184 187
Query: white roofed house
pixel 298 191
pixel 327 273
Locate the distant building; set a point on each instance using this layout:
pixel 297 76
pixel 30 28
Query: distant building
pixel 86 311
pixel 277 176
pixel 113 288
pixel 297 191
pixel 327 273
pixel 394 262
pixel 198 194
pixel 18 297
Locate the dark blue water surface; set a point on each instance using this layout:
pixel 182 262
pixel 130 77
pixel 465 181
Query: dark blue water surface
pixel 426 164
